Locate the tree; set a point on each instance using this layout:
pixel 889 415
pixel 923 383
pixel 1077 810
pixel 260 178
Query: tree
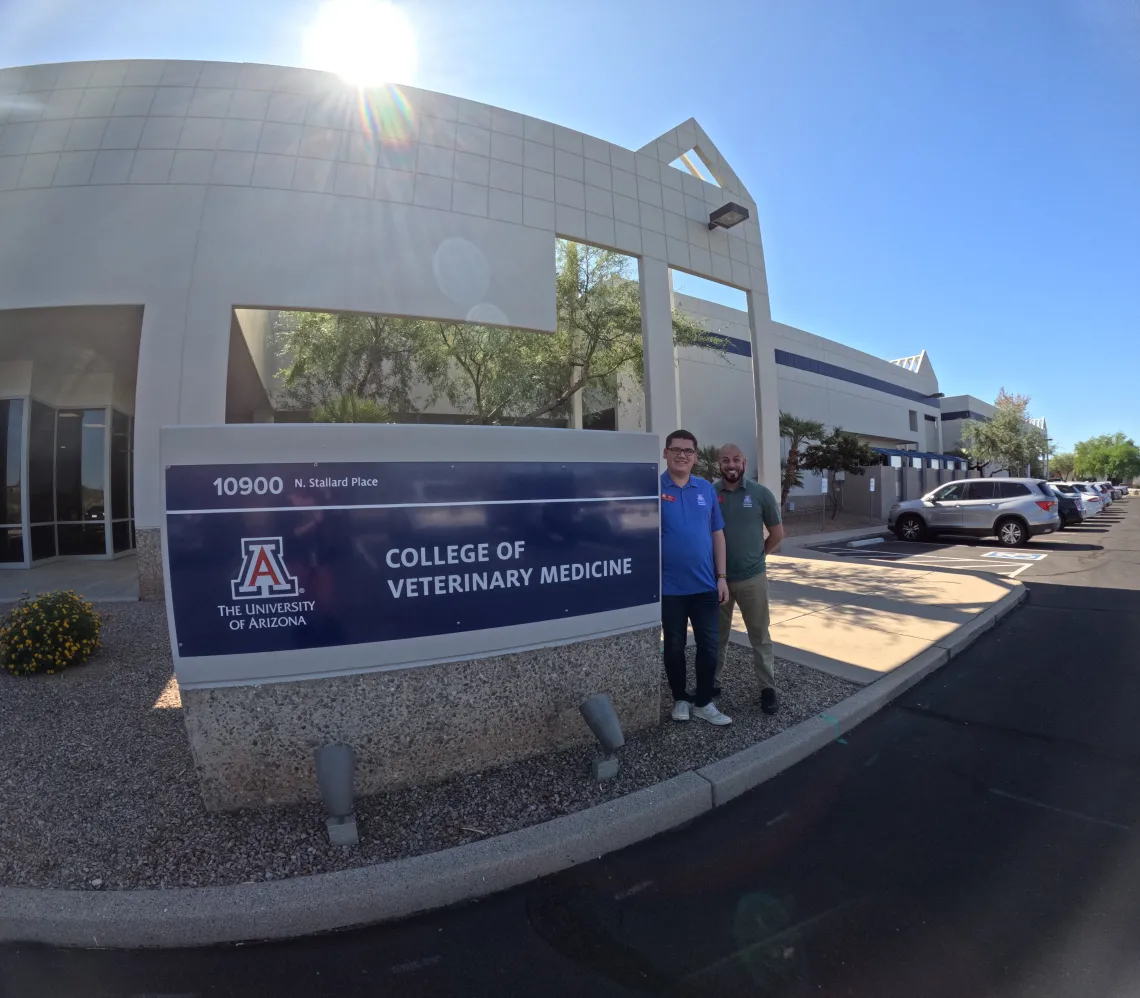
pixel 798 431
pixel 1063 465
pixel 708 462
pixel 490 374
pixel 1112 457
pixel 327 356
pixel 481 370
pixel 797 481
pixel 971 465
pixel 838 451
pixel 1008 441
pixel 351 409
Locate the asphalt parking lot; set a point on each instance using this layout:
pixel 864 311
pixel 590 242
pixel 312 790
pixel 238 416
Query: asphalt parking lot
pixel 1070 551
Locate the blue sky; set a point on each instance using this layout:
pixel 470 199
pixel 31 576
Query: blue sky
pixel 956 175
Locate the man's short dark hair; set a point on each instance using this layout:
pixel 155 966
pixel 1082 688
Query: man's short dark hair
pixel 680 435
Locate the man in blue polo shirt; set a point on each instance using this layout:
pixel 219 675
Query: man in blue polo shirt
pixel 692 576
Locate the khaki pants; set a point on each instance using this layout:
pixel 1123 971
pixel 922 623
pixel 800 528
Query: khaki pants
pixel 752 595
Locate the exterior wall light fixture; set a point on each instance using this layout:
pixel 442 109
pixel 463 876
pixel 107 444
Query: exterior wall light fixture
pixel 726 216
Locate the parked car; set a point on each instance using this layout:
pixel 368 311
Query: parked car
pixel 1012 509
pixel 1105 495
pixel 1070 506
pixel 1070 491
pixel 1092 497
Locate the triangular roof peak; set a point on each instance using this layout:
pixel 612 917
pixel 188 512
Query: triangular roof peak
pixel 919 363
pixel 689 137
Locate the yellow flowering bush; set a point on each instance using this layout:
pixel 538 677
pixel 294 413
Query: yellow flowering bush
pixel 49 633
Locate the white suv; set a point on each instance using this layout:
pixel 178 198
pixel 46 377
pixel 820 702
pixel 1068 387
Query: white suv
pixel 1091 496
pixel 1012 509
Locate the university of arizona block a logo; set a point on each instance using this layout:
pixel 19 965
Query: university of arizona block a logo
pixel 263 572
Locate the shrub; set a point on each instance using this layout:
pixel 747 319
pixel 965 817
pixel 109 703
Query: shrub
pixel 49 633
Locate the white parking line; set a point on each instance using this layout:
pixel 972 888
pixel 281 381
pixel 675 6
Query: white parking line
pixel 930 559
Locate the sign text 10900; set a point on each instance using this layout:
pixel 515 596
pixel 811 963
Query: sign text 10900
pixel 246 486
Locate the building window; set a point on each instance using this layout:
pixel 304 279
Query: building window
pixel 41 481
pixel 913 421
pixel 11 464
pixel 120 482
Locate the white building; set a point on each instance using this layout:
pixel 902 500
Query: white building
pixel 957 412
pixel 153 213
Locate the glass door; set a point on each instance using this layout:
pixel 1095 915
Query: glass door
pixel 70 485
pixel 81 481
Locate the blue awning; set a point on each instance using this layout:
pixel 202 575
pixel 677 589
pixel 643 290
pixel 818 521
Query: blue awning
pixel 956 462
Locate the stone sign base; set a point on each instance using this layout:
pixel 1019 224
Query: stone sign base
pixel 253 745
pixel 148 541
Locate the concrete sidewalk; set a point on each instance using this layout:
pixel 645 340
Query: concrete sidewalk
pixel 861 621
pixel 97 580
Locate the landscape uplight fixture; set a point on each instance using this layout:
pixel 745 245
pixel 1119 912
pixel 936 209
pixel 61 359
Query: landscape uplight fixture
pixel 600 715
pixel 727 216
pixel 335 769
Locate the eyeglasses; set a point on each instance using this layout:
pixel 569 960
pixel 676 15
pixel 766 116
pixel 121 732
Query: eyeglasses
pixel 681 451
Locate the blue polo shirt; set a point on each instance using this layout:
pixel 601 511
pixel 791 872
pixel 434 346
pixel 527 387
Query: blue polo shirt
pixel 689 516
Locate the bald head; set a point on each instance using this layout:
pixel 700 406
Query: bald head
pixel 732 464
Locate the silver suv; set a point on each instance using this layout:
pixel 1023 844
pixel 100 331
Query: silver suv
pixel 1012 509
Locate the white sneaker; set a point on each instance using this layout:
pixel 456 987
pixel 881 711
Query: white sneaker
pixel 712 715
pixel 681 710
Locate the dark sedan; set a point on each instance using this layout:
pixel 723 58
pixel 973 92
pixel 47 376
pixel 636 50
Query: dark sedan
pixel 1069 509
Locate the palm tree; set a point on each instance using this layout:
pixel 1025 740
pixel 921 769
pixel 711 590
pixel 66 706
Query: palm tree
pixel 351 409
pixel 708 463
pixel 798 431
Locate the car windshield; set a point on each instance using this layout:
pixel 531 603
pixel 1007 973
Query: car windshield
pixel 1063 487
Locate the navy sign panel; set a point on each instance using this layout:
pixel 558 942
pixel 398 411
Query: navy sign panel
pixel 271 557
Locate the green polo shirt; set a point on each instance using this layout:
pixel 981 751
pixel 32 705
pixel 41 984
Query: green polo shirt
pixel 747 510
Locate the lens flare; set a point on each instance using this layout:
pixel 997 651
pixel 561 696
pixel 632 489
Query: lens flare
pixel 385 114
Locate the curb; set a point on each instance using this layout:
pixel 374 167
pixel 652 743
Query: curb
pixel 284 909
pixel 834 538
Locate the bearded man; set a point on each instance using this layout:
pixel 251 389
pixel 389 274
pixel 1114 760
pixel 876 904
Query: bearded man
pixel 748 509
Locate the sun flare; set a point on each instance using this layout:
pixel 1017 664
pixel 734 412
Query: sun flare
pixel 365 42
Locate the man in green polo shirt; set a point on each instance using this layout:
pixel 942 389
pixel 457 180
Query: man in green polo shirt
pixel 748 508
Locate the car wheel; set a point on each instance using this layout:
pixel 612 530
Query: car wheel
pixel 910 528
pixel 1011 533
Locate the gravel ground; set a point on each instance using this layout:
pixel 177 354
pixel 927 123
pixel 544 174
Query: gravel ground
pixel 99 792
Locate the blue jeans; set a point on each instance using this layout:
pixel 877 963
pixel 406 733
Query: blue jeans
pixel 703 610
